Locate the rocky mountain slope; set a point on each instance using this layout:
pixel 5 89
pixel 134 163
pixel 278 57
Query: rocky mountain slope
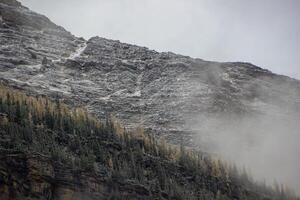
pixel 160 91
pixel 186 100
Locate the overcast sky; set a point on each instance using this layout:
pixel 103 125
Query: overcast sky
pixel 263 32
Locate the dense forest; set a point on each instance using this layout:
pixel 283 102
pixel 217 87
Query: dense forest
pixel 130 163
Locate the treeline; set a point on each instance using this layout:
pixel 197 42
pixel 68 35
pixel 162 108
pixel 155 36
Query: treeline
pixel 74 138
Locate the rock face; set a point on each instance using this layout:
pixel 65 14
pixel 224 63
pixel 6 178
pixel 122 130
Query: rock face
pixel 163 92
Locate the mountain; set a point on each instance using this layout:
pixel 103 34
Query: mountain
pixel 160 91
pixel 181 99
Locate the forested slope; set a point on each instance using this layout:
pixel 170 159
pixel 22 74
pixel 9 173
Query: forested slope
pixel 49 151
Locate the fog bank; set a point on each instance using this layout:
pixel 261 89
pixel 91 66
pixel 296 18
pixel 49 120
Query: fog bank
pixel 267 145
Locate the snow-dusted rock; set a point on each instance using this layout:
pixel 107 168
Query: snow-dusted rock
pixel 163 92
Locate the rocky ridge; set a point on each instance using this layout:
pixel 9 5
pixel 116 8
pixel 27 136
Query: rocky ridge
pixel 163 92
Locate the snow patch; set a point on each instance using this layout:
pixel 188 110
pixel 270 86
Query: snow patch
pixel 137 93
pixel 59 90
pixel 106 98
pixel 78 52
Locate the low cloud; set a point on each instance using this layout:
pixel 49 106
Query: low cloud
pixel 267 143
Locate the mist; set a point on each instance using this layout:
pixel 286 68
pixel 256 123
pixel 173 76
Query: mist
pixel 265 142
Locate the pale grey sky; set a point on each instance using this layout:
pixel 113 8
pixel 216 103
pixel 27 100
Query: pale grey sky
pixel 263 32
